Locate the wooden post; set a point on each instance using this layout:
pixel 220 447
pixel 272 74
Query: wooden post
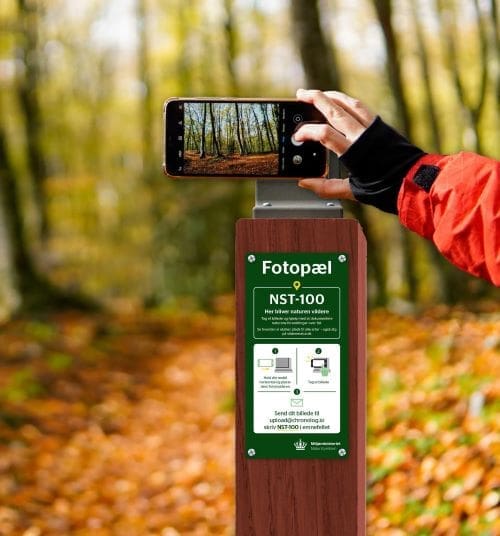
pixel 311 496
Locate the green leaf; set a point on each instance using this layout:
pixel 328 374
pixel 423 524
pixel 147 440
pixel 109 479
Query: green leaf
pixel 58 361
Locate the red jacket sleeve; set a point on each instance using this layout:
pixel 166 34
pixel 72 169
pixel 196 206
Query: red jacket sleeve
pixel 455 202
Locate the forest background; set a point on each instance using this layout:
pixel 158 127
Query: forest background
pixel 89 223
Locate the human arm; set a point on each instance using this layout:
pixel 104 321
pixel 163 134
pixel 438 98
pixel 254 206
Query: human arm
pixel 452 200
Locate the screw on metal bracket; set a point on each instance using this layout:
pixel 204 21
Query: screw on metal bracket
pixel 251 452
pixel 342 258
pixel 251 258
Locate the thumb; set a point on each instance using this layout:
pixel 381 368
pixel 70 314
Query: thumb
pixel 329 188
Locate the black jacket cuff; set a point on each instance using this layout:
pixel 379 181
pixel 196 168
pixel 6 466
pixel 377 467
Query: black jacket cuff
pixel 378 162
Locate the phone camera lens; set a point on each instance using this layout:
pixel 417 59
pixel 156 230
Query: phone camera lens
pixel 297 118
pixel 297 159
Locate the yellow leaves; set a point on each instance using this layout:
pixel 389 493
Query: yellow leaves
pixel 170 531
pixel 434 440
pixel 490 500
pixel 473 477
pixel 427 469
pixel 128 443
pixel 136 435
pixel 465 505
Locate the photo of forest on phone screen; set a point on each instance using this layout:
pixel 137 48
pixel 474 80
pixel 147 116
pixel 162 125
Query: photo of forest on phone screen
pixel 231 138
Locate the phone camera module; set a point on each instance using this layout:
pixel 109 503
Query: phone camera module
pixel 297 159
pixel 297 118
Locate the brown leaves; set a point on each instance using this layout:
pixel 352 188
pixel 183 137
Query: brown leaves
pixel 433 418
pixel 134 434
pixel 130 439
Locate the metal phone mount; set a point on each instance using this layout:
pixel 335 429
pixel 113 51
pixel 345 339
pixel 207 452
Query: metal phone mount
pixel 283 199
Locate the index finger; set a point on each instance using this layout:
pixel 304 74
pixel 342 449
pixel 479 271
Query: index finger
pixel 340 118
pixel 354 106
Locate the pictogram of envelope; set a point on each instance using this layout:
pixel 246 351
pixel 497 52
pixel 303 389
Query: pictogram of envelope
pixel 296 402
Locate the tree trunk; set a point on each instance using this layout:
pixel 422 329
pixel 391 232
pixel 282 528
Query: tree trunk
pixel 35 291
pixel 150 174
pixel 383 9
pixel 24 270
pixel 147 105
pixel 238 129
pixel 496 47
pixel 321 72
pixel 472 108
pixel 423 57
pixel 216 145
pixel 450 278
pixel 28 93
pixel 250 140
pixel 268 129
pixel 318 56
pixel 230 35
pixel 203 132
pixel 259 130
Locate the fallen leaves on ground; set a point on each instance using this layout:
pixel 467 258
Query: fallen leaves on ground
pixel 135 437
pixel 124 425
pixel 434 400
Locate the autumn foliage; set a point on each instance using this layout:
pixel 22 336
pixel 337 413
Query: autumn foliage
pixel 123 425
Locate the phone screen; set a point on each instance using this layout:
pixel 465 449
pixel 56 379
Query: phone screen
pixel 240 139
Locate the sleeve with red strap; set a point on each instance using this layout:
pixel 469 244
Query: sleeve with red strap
pixel 455 202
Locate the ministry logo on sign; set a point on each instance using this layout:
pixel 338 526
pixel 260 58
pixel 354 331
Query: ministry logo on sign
pixel 300 445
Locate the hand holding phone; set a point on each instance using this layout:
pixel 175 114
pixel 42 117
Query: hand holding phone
pixel 240 138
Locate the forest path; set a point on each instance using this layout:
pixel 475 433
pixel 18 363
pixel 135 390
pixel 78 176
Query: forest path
pixel 134 438
pixel 123 426
pixel 264 165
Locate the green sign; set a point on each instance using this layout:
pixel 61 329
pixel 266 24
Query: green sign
pixel 297 355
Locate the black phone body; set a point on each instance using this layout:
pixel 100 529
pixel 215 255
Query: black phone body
pixel 240 138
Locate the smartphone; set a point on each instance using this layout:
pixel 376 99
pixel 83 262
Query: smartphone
pixel 240 138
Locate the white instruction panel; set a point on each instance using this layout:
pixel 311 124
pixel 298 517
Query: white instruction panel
pixel 296 388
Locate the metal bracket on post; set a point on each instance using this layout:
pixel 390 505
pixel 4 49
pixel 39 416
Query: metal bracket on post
pixel 284 199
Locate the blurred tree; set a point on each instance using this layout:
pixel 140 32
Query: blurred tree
pixel 425 69
pixel 321 70
pixel 495 48
pixel 384 10
pixel 24 272
pixel 196 238
pixel 231 47
pixel 154 181
pixel 28 82
pixel 34 289
pixel 451 280
pixel 238 193
pixel 318 55
pixel 148 154
pixel 472 106
pixel 83 141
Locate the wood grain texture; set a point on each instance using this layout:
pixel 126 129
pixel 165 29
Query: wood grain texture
pixel 305 497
